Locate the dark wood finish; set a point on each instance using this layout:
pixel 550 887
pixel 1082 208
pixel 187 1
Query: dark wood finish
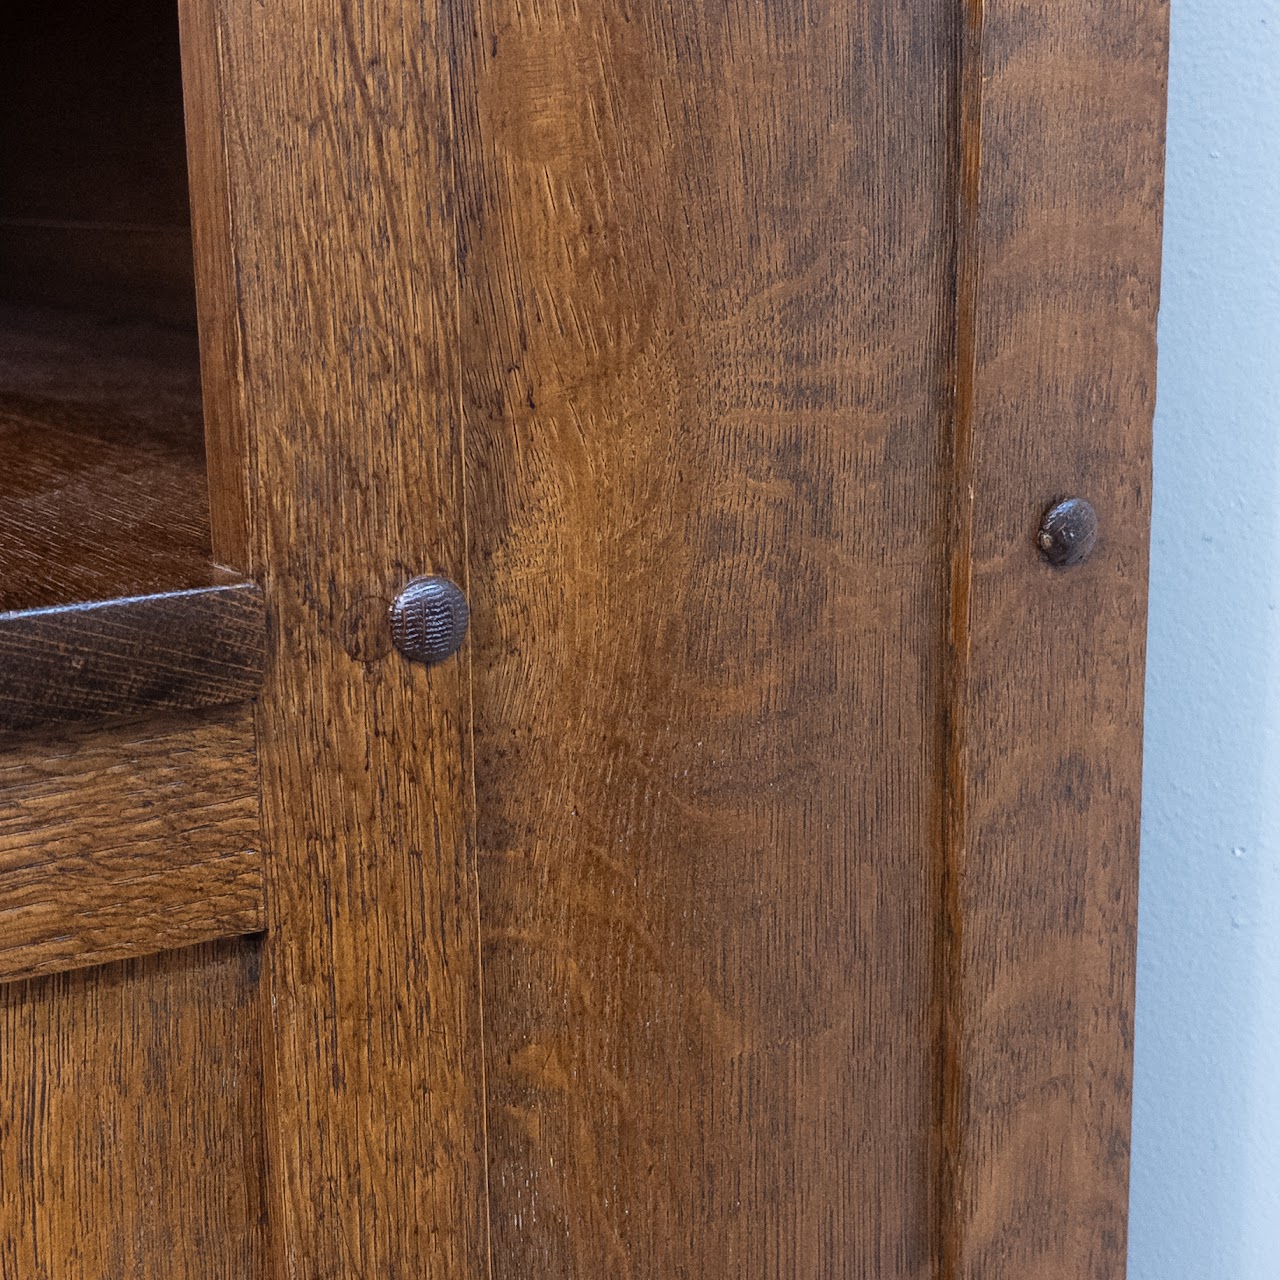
pixel 1060 269
pixel 93 206
pixel 126 841
pixel 108 270
pixel 337 127
pixel 131 1121
pixel 174 652
pixel 232 497
pixel 707 277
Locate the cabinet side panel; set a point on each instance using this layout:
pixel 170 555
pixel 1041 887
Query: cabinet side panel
pixel 706 353
pixel 130 1121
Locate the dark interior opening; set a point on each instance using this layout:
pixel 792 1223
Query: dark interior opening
pixel 103 489
pixel 94 211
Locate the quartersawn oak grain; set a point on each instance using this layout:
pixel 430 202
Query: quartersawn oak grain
pixel 128 840
pixel 806 792
pixel 706 282
pixel 131 1121
pixel 336 123
pixel 1060 251
pixel 102 488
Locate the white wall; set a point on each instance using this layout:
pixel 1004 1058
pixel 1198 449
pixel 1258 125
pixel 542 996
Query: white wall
pixel 1206 1149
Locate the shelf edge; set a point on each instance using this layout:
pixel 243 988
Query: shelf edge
pixel 170 651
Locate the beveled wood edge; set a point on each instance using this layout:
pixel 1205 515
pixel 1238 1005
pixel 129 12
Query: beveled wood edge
pixel 97 661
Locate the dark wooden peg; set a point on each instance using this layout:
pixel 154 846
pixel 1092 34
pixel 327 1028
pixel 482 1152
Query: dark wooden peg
pixel 1068 533
pixel 429 620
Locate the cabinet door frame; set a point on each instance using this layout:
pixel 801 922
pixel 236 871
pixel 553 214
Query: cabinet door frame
pixel 320 143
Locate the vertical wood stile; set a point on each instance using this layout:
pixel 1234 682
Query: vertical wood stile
pixel 1060 149
pixel 333 321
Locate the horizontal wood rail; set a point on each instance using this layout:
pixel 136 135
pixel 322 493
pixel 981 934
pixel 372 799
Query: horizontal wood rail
pixel 126 840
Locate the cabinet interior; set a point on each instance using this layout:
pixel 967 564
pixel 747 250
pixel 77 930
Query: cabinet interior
pixel 102 476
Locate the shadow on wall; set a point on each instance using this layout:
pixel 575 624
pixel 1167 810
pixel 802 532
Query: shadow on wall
pixel 1206 1151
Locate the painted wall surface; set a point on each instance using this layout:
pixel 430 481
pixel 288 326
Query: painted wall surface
pixel 1206 1148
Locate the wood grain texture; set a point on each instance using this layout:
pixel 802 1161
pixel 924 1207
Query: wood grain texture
pixel 129 840
pixel 1059 283
pixel 763 336
pixel 337 128
pixel 706 345
pixel 177 651
pixel 231 497
pixel 131 1121
pixel 110 603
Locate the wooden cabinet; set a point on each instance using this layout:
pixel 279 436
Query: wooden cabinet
pixel 753 894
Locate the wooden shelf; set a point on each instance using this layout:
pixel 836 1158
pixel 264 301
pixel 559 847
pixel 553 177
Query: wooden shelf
pixel 110 603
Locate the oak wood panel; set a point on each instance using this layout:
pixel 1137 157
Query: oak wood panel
pixel 1059 282
pixel 706 348
pixel 124 841
pixel 337 130
pixel 131 1121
